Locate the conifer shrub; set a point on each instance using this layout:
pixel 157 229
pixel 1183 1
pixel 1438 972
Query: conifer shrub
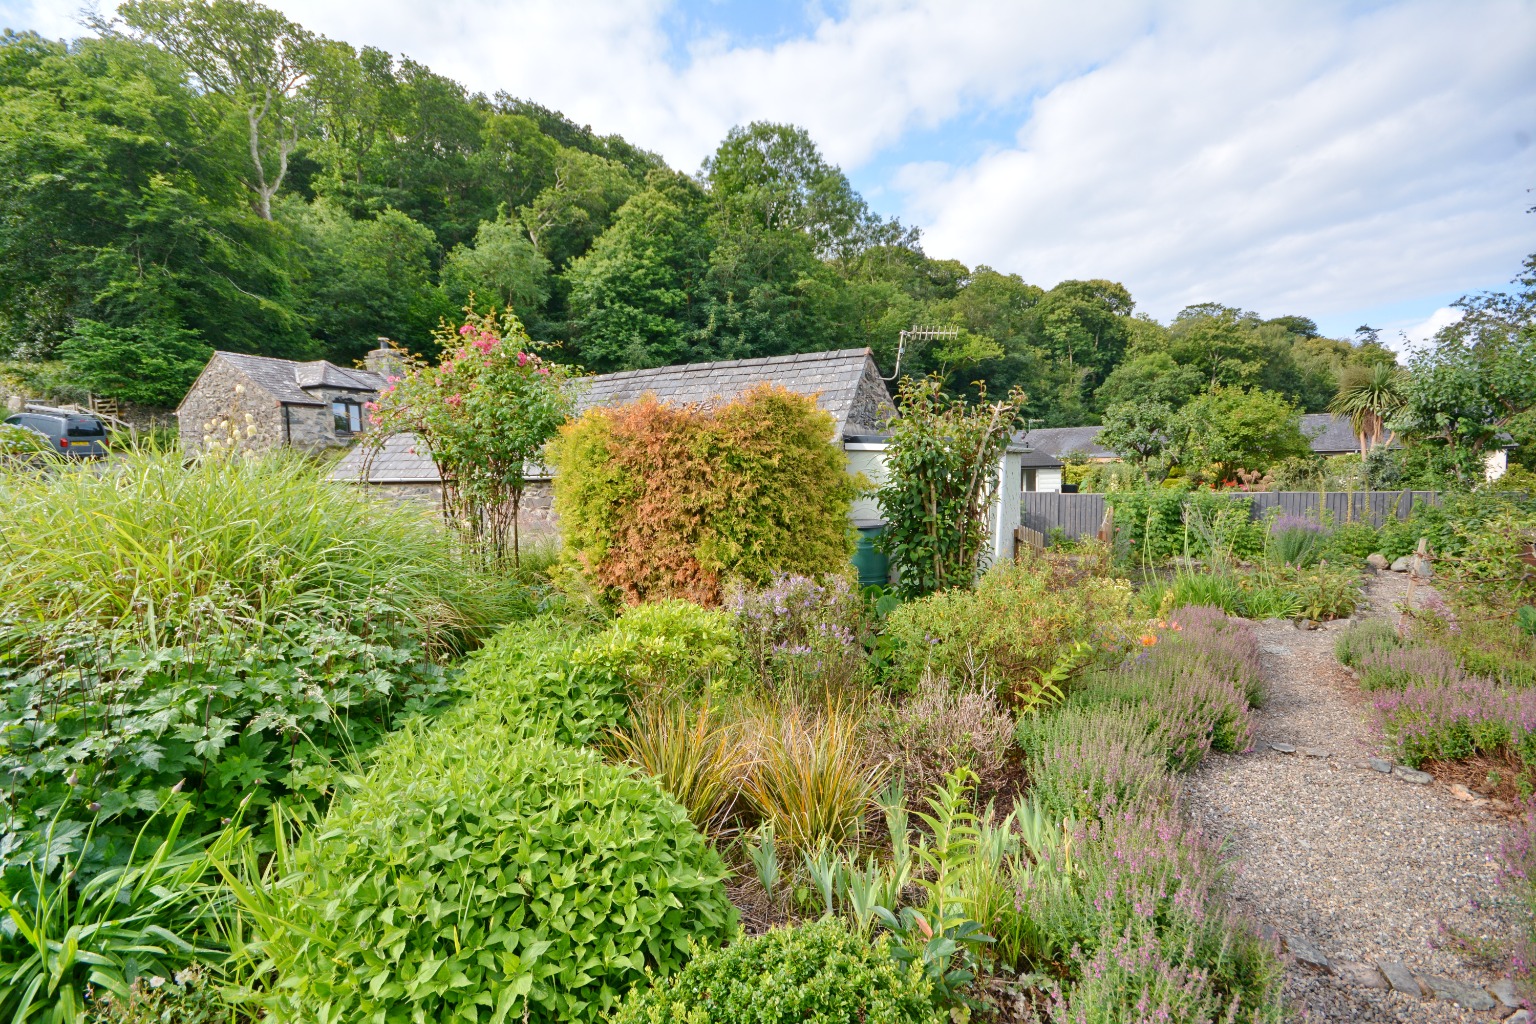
pixel 659 502
pixel 478 873
pixel 818 972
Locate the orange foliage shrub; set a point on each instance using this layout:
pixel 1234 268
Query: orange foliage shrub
pixel 660 502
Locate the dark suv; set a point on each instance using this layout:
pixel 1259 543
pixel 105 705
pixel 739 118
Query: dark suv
pixel 71 434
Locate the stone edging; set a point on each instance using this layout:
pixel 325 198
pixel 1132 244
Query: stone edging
pixel 1391 975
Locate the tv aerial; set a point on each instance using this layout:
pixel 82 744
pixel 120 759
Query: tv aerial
pixel 920 334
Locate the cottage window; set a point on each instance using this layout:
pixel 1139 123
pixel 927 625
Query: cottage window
pixel 348 416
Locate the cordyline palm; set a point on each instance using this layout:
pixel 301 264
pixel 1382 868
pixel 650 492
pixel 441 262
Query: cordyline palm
pixel 1369 397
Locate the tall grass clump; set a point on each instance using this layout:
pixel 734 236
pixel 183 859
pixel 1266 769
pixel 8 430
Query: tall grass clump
pixel 231 627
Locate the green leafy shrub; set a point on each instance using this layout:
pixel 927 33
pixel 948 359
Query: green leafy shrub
pixel 1023 619
pixel 149 363
pixel 546 676
pixel 662 502
pixel 817 974
pixel 235 626
pixel 477 873
pixel 1351 541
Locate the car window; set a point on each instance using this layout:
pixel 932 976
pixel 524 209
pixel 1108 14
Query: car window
pixel 85 426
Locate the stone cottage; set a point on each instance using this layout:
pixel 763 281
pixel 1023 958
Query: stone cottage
pixel 846 384
pixel 259 403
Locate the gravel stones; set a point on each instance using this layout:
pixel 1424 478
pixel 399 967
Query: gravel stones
pixel 1370 870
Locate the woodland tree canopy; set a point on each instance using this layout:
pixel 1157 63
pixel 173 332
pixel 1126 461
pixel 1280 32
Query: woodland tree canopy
pixel 206 175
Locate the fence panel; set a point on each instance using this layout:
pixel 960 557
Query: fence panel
pixel 1079 515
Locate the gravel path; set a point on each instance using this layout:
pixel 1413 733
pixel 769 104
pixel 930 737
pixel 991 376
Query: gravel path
pixel 1368 867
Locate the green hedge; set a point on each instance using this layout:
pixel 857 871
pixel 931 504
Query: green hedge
pixel 816 974
pixel 479 874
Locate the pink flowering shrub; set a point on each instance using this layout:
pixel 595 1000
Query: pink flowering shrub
pixel 1518 868
pixel 483 414
pixel 1129 912
pixel 1131 909
pixel 1427 721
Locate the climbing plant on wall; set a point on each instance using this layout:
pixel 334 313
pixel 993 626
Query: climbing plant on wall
pixel 941 476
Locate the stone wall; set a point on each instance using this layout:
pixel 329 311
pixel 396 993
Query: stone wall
pixel 872 409
pixel 536 516
pixel 224 407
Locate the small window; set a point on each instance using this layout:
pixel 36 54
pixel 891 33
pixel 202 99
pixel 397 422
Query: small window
pixel 348 417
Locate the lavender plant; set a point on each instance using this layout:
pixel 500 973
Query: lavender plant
pixel 802 636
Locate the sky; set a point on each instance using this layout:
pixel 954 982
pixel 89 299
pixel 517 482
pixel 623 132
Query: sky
pixel 1358 163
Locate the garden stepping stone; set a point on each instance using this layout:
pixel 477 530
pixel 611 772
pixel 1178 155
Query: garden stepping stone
pixel 1460 993
pixel 1400 978
pixel 1362 975
pixel 1303 949
pixel 1284 748
pixel 1504 991
pixel 1314 752
pixel 1381 766
pixel 1519 1017
pixel 1409 775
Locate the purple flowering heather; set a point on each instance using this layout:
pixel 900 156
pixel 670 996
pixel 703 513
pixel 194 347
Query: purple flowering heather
pixel 1473 715
pixel 1518 868
pixel 1397 667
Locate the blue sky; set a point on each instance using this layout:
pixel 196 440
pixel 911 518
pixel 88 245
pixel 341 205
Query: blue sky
pixel 1352 162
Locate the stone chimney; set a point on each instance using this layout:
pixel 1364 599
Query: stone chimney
pixel 387 360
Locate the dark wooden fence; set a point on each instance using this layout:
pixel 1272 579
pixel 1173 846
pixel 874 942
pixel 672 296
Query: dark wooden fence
pixel 1079 515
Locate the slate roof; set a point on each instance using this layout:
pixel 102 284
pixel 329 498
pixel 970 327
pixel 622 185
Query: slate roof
pixel 397 462
pixel 834 377
pixel 321 374
pixel 1046 446
pixel 285 379
pixel 1328 434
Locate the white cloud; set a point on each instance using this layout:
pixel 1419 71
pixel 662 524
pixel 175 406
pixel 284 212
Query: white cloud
pixel 1275 157
pixel 1408 337
pixel 1308 157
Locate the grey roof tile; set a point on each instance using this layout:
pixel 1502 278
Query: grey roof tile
pixel 285 379
pixel 832 376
